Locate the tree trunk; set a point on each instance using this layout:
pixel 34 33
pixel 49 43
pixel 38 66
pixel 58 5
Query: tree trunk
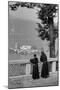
pixel 52 48
pixel 52 41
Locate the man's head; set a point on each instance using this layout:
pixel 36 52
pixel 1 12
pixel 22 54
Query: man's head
pixel 34 55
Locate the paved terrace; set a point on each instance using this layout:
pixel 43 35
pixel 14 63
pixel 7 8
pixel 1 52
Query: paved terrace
pixel 27 81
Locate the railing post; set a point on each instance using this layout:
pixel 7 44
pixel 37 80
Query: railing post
pixel 54 66
pixel 28 67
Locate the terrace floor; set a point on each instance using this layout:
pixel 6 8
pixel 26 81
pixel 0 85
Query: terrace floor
pixel 27 81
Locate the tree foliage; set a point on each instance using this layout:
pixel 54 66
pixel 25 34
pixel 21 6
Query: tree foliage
pixel 23 4
pixel 46 15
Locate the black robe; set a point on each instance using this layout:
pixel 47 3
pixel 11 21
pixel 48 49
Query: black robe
pixel 45 69
pixel 35 70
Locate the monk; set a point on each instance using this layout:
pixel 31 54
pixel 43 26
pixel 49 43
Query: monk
pixel 35 71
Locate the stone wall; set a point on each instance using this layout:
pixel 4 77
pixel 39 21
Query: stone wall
pixel 16 69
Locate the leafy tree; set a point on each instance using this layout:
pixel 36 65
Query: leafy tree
pixel 46 29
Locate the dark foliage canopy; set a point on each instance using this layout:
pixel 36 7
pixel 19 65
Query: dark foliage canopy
pixel 46 15
pixel 23 4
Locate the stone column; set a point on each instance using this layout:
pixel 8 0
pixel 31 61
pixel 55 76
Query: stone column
pixel 28 67
pixel 54 66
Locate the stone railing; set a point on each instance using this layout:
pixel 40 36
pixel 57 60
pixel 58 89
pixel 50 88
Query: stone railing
pixel 23 67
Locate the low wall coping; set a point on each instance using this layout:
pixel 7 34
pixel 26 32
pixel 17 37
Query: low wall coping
pixel 26 61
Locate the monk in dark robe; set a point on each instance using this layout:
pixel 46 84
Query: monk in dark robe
pixel 45 69
pixel 35 70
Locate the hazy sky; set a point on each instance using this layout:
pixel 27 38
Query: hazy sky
pixel 22 24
